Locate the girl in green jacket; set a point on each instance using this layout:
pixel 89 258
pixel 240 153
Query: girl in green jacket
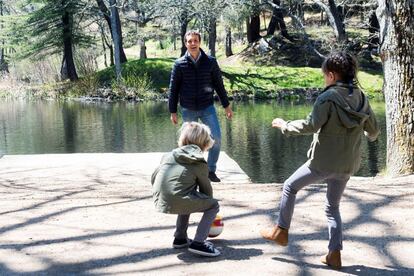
pixel 340 116
pixel 181 186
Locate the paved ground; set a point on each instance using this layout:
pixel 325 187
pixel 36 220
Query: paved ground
pixel 81 214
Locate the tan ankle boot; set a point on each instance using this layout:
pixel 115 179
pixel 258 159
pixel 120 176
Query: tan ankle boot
pixel 276 234
pixel 333 259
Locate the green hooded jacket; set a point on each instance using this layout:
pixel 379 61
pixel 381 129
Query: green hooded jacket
pixel 338 120
pixel 180 184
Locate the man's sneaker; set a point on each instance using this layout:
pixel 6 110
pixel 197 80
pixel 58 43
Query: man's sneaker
pixel 181 243
pixel 204 249
pixel 213 177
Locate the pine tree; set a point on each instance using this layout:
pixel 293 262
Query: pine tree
pixel 54 28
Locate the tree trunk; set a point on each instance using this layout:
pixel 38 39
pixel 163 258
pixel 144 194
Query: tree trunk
pixel 116 38
pixel 253 28
pixel 334 19
pixel 373 29
pixel 3 64
pixel 339 24
pixel 183 29
pixel 103 45
pixel 142 49
pixel 4 67
pixel 229 51
pixel 277 21
pixel 396 20
pixel 106 14
pixel 297 9
pixel 212 36
pixel 68 62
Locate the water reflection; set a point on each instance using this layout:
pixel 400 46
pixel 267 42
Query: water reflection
pixel 262 152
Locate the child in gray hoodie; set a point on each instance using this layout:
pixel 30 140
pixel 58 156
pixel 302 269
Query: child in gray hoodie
pixel 341 114
pixel 181 186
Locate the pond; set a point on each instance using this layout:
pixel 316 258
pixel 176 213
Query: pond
pixel 79 127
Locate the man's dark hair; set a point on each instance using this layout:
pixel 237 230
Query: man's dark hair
pixel 192 32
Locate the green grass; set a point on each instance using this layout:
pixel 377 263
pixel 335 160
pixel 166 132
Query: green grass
pixel 158 69
pixel 270 78
pixel 371 83
pixel 239 77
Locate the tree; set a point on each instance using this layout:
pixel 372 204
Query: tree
pixel 277 21
pixel 396 20
pixel 68 63
pixel 118 32
pixel 334 18
pixel 373 29
pixel 250 11
pixel 181 11
pixel 3 63
pixel 229 51
pixel 253 27
pixel 207 13
pixel 53 27
pixel 141 13
pixel 116 36
pixel 232 18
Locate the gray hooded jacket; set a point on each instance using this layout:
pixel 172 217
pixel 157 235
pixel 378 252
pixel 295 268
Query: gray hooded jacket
pixel 338 120
pixel 181 184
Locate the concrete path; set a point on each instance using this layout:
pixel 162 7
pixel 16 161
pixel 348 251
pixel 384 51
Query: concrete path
pixel 81 214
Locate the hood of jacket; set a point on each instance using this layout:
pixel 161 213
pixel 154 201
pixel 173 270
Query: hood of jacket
pixel 353 108
pixel 188 154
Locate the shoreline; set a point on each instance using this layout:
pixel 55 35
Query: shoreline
pixel 106 95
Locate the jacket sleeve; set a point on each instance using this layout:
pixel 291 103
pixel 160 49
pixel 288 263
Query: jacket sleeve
pixel 175 83
pixel 371 128
pixel 203 182
pixel 316 119
pixel 154 175
pixel 218 84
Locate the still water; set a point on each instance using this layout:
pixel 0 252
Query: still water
pixel 261 151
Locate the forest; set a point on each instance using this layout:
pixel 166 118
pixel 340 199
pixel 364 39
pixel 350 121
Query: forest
pixel 53 41
pixel 124 49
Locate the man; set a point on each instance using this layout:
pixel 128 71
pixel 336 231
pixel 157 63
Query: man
pixel 194 78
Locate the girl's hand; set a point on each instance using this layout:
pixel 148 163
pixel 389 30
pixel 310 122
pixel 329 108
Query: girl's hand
pixel 278 123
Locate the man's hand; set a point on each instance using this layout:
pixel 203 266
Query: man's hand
pixel 229 112
pixel 278 123
pixel 174 118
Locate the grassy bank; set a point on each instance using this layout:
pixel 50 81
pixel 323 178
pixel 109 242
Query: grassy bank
pixel 241 77
pixel 149 79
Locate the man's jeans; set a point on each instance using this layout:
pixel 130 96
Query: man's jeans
pixel 208 117
pixel 336 186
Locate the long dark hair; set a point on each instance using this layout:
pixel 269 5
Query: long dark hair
pixel 343 64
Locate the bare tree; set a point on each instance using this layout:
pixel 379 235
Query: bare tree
pixel 116 37
pixel 141 13
pixel 253 27
pixel 396 19
pixel 229 51
pixel 107 16
pixel 207 13
pixel 334 18
pixel 68 64
pixel 277 21
pixel 3 64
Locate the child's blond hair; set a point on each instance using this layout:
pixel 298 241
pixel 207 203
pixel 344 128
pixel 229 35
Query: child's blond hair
pixel 193 133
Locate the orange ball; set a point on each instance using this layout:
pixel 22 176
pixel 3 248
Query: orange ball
pixel 216 227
